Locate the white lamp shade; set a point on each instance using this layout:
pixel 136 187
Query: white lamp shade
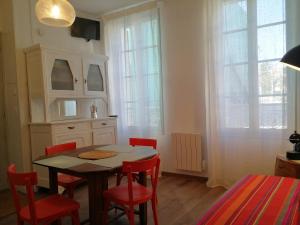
pixel 56 13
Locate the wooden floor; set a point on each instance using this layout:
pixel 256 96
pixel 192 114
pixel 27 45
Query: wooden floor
pixel 181 201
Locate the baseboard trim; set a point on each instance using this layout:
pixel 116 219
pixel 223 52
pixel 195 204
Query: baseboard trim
pixel 183 175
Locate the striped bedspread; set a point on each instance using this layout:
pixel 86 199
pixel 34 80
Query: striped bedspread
pixel 257 200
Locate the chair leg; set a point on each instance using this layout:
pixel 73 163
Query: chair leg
pixel 70 191
pixel 119 178
pixel 75 218
pixel 154 209
pixel 130 215
pixel 20 222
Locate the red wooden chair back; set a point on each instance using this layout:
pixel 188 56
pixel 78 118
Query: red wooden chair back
pixel 22 179
pixel 151 165
pixel 143 142
pixel 55 149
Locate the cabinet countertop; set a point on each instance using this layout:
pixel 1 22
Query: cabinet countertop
pixel 71 121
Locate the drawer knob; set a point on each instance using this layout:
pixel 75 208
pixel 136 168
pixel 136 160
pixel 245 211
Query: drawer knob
pixel 71 128
pixel 103 124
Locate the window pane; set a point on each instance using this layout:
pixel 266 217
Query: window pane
pixel 128 41
pixel 271 78
pixel 154 114
pixel 151 60
pixel 130 112
pixel 129 89
pixel 273 112
pixel 271 42
pixel 61 75
pixel 270 11
pixel 236 81
pixel 150 33
pixel 152 87
pixel 235 15
pixel 236 112
pixel 129 63
pixel 94 78
pixel 236 49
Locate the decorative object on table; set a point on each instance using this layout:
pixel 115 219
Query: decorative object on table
pixel 294 139
pixel 96 154
pixel 55 13
pixel 94 110
pixel 292 60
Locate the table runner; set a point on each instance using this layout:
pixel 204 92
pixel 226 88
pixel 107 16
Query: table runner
pixel 257 199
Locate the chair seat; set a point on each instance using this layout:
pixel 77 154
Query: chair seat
pixel 66 180
pixel 120 194
pixel 48 207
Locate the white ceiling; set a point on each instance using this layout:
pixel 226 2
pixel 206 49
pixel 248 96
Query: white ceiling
pixel 99 7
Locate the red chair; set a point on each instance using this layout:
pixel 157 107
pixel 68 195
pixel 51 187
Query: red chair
pixel 138 142
pixel 143 142
pixel 131 194
pixel 67 181
pixel 44 211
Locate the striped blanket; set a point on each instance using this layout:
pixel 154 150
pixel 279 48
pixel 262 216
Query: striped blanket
pixel 257 200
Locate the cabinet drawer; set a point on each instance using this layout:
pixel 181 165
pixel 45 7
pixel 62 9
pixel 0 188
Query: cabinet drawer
pixel 71 127
pixel 104 136
pixel 103 123
pixel 82 139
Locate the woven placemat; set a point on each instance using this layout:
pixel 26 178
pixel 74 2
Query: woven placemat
pixel 96 154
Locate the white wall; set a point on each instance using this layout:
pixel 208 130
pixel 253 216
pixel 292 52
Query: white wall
pixel 10 85
pixel 184 97
pixel 60 37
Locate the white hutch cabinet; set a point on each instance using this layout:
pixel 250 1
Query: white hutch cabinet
pixel 61 81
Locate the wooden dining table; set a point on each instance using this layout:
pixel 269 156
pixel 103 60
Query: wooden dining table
pixel 96 172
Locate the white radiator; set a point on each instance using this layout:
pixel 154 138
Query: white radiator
pixel 187 148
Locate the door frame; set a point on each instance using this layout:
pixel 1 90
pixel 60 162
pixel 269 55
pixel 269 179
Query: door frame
pixel 3 144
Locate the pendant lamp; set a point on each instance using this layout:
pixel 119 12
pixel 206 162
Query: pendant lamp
pixel 56 13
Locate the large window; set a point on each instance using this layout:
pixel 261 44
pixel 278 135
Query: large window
pixel 255 83
pixel 135 70
pixel 147 77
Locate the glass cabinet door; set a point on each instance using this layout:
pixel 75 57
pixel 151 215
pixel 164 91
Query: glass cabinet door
pixel 61 76
pixel 94 79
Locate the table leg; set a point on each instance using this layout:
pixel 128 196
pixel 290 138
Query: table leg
pixel 53 181
pixel 53 186
pixel 96 185
pixel 143 207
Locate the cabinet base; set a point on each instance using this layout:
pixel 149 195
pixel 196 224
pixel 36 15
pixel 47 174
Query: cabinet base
pixel 293 155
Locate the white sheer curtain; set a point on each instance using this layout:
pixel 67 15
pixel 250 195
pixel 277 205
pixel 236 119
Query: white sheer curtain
pixel 250 96
pixel 133 46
